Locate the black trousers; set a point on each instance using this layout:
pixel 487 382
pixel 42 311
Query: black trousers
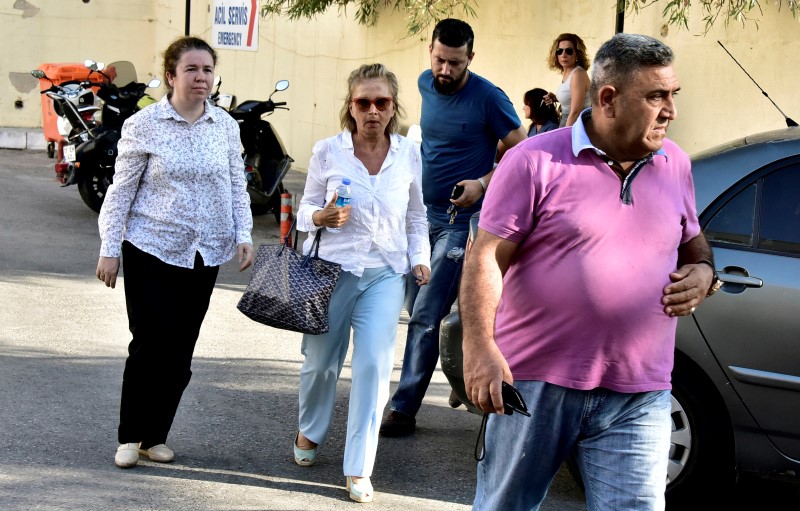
pixel 166 306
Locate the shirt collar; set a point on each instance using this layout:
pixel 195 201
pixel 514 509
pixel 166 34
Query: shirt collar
pixel 347 140
pixel 580 140
pixel 166 111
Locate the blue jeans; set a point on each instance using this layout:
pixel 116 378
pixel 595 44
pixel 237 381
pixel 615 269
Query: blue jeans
pixel 621 440
pixel 427 305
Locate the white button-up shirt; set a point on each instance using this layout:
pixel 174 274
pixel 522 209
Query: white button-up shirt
pixel 178 188
pixel 389 214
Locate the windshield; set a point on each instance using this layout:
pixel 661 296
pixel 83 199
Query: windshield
pixel 121 73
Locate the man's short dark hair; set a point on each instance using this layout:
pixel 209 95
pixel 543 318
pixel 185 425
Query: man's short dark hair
pixel 622 56
pixel 453 33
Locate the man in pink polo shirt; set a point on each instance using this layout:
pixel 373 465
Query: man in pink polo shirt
pixel 589 248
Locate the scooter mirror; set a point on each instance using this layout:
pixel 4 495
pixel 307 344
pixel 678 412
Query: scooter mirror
pixel 91 64
pixel 282 85
pixel 38 73
pixel 217 81
pixel 155 82
pixel 100 66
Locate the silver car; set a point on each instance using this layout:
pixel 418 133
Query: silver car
pixel 736 381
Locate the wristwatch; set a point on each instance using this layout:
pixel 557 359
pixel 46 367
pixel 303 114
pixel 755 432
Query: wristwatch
pixel 715 282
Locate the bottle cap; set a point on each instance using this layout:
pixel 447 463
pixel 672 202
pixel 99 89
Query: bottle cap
pixel 345 181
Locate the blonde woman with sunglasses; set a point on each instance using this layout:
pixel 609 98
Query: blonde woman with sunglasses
pixel 383 234
pixel 568 55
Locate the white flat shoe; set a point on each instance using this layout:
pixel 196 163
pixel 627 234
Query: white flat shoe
pixel 159 453
pixel 127 455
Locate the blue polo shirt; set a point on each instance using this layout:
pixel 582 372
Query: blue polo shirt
pixel 459 139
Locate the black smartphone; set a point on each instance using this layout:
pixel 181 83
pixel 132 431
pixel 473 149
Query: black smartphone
pixel 457 191
pixel 512 401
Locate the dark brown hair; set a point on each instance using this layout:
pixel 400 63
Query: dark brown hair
pixel 175 51
pixel 540 113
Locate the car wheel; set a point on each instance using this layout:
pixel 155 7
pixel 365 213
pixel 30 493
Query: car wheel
pixel 701 445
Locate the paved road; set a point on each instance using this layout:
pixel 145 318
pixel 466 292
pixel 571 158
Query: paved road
pixel 63 339
pixel 63 342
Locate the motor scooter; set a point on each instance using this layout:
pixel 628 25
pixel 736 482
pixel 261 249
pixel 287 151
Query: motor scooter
pixel 265 158
pixel 75 105
pixel 224 101
pixel 91 163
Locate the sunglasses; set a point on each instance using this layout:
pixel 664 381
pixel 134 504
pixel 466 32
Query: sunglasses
pixel 364 104
pixel 569 51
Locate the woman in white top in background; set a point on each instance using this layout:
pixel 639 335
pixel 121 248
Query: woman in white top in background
pixel 568 55
pixel 383 236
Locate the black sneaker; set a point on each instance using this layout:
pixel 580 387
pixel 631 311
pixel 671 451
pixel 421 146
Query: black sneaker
pixel 398 424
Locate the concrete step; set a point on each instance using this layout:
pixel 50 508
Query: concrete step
pixel 22 138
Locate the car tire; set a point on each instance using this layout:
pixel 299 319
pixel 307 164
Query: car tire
pixel 701 457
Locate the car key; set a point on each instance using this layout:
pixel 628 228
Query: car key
pixel 453 211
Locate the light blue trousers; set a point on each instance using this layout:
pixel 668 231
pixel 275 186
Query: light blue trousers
pixel 371 305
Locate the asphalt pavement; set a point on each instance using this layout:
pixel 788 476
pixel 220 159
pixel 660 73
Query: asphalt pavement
pixel 63 339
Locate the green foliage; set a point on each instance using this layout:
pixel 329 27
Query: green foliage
pixel 676 12
pixel 420 14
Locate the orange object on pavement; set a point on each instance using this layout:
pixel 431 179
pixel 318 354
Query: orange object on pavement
pixel 286 216
pixel 58 73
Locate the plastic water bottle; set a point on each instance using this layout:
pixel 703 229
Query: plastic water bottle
pixel 343 199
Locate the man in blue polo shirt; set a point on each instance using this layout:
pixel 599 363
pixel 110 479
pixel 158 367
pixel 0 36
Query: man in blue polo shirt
pixel 464 116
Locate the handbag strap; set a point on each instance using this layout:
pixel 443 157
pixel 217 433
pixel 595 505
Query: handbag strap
pixel 314 245
pixel 314 248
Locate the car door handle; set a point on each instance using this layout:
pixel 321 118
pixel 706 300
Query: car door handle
pixel 738 281
pixel 728 278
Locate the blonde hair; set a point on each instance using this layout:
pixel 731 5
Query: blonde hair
pixel 371 72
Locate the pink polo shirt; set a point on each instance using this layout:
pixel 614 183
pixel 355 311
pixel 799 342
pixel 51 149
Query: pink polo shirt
pixel 581 303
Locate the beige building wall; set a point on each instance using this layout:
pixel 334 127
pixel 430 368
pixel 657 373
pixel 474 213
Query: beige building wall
pixel 717 103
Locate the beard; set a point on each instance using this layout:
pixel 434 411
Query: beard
pixel 450 84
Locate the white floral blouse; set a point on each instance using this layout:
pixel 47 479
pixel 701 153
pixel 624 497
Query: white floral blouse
pixel 178 188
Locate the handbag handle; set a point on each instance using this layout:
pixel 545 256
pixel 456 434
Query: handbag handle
pixel 314 245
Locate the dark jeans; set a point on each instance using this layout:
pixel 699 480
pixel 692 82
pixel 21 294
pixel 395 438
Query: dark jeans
pixel 166 306
pixel 427 305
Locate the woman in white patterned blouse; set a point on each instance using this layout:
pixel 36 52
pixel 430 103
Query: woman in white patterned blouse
pixel 177 210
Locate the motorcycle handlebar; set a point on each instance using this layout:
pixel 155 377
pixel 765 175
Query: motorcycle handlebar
pixel 279 104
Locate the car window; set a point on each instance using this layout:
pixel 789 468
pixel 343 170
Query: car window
pixel 780 211
pixel 734 221
pixel 778 228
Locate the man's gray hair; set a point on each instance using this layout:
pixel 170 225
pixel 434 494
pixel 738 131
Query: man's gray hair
pixel 622 56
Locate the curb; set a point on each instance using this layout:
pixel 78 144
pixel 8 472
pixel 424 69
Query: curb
pixel 22 138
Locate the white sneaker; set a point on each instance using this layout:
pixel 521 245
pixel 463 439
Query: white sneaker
pixel 127 455
pixel 160 453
